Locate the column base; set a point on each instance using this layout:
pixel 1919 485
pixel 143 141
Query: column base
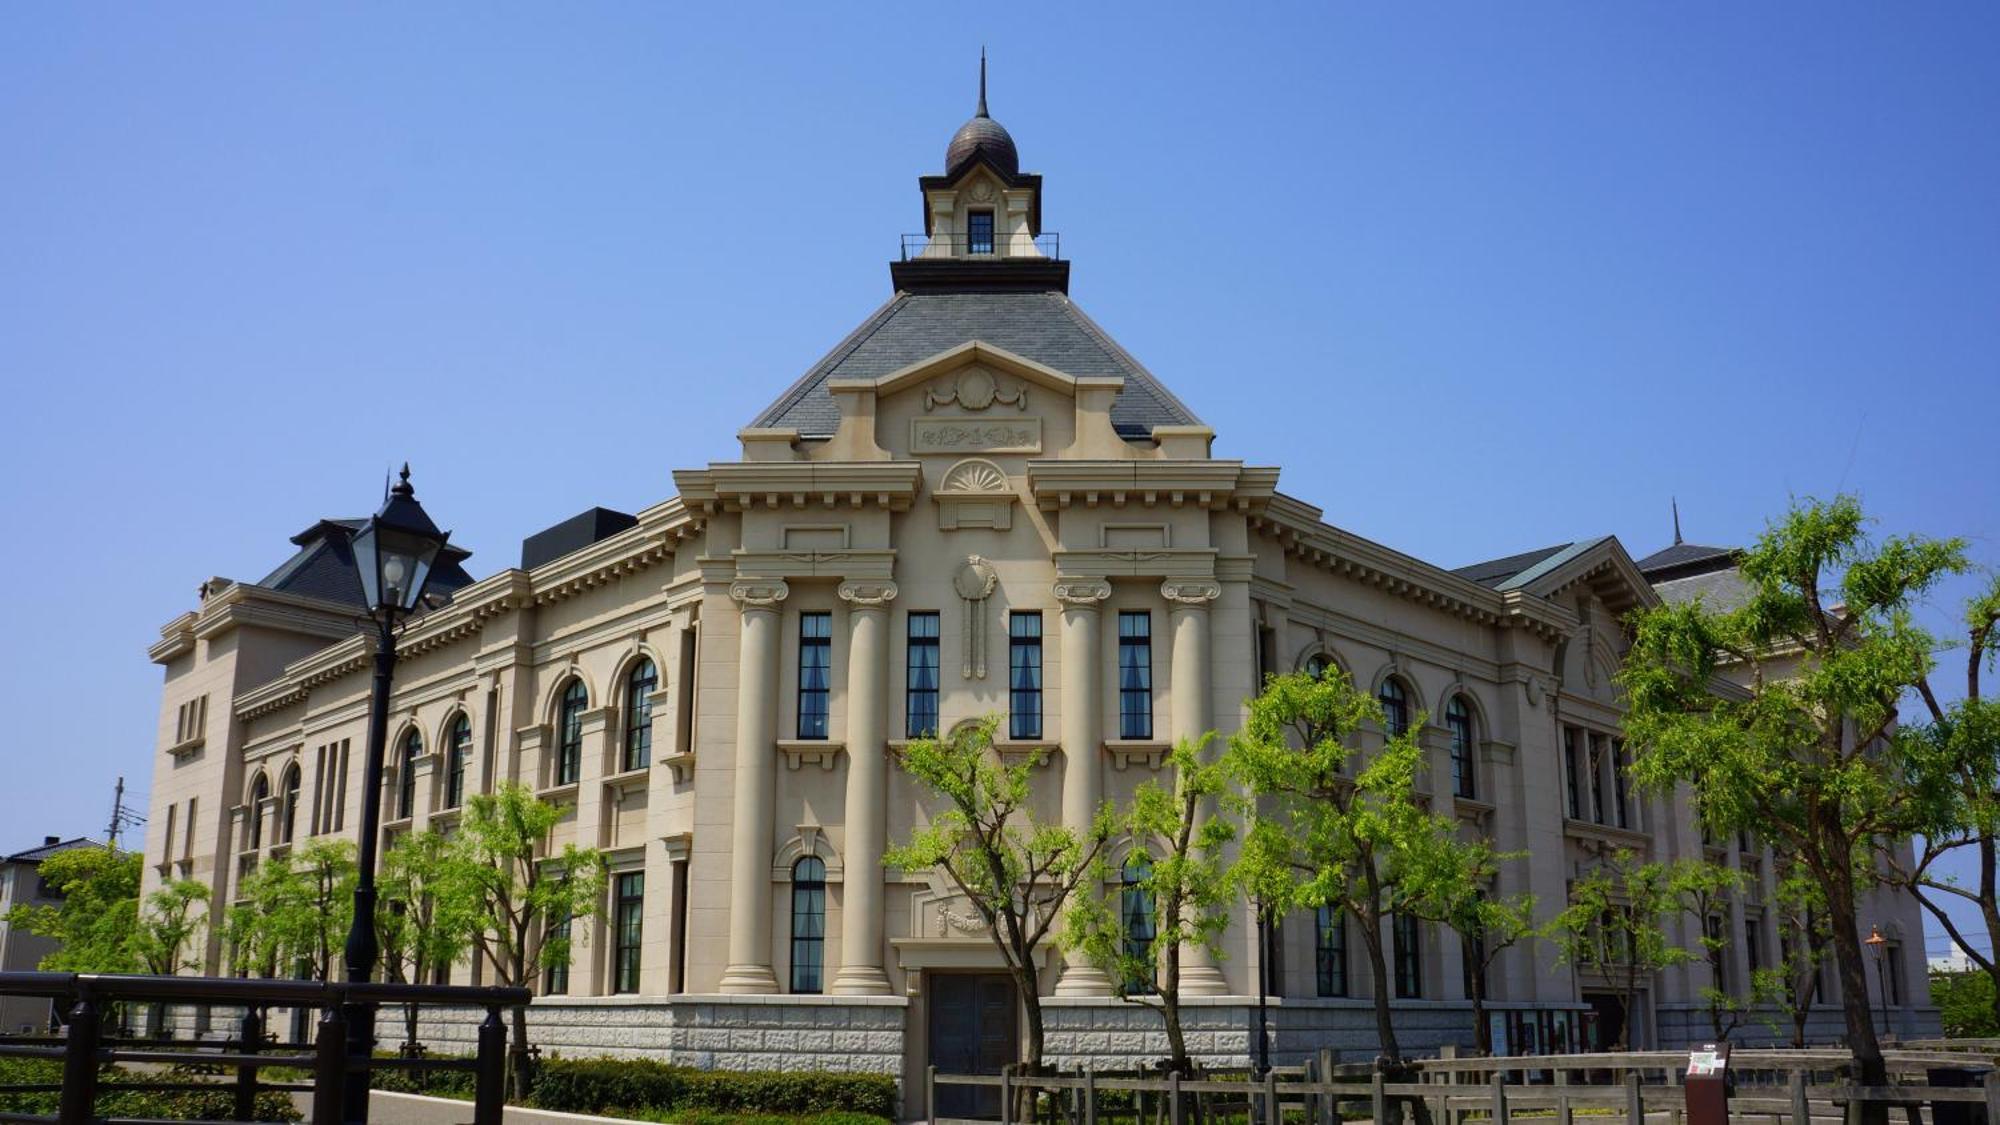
pixel 1083 980
pixel 1203 980
pixel 860 980
pixel 748 979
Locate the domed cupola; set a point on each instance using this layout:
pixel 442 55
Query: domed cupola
pixel 982 136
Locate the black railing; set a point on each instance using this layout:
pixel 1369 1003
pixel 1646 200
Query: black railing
pixel 85 1047
pixel 1000 247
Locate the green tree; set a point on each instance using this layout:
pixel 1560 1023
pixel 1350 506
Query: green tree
pixel 1958 754
pixel 1794 982
pixel 1016 872
pixel 94 922
pixel 501 871
pixel 1615 924
pixel 1459 892
pixel 1320 835
pixel 293 912
pixel 426 919
pixel 1177 876
pixel 1707 893
pixel 1780 710
pixel 1965 1003
pixel 174 914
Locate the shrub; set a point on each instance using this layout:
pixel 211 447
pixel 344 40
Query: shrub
pixel 217 1104
pixel 598 1085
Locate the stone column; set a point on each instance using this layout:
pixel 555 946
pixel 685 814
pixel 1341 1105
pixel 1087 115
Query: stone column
pixel 867 814
pixel 1082 737
pixel 749 968
pixel 1192 717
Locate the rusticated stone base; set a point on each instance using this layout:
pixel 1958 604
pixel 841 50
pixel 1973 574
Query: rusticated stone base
pixel 1684 1025
pixel 1221 1031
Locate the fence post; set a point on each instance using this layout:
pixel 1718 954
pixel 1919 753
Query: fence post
pixel 1329 1112
pixel 1499 1098
pixel 1802 1114
pixel 1378 1099
pixel 1174 1098
pixel 330 1069
pixel 79 1088
pixel 1007 1095
pixel 1564 1114
pixel 489 1098
pixel 1090 1096
pixel 930 1093
pixel 251 1036
pixel 1635 1103
pixel 1271 1114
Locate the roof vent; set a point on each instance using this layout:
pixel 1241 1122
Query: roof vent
pixel 47 840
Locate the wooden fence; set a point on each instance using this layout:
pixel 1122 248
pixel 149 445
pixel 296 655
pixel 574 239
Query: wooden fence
pixel 1771 1087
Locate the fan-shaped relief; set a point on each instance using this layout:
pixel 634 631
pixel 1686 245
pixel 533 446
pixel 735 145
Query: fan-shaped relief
pixel 975 493
pixel 941 911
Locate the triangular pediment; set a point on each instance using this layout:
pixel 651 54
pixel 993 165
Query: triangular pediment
pixel 1602 564
pixel 972 353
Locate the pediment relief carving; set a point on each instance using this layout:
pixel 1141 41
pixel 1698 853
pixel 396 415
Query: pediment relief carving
pixel 976 388
pixel 975 493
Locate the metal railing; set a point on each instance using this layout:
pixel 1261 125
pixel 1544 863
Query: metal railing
pixel 85 1047
pixel 950 245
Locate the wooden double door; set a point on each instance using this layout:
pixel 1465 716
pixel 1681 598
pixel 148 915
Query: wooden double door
pixel 975 1028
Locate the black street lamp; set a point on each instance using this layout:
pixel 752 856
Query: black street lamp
pixel 394 552
pixel 1263 989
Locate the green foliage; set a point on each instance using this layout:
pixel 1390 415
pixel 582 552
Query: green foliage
pixel 294 911
pixel 497 871
pixel 1776 711
pixel 216 1104
pixel 1965 1001
pixel 1321 835
pixel 173 915
pixel 610 1085
pixel 1017 872
pixel 426 917
pixel 98 913
pixel 1615 923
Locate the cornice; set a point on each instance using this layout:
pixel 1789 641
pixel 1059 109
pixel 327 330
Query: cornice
pixel 176 639
pixel 859 564
pixel 245 604
pixel 738 486
pixel 1216 485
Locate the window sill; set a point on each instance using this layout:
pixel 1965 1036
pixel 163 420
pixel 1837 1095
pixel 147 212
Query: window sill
pixel 802 751
pixel 1472 805
pixel 184 749
pixel 1151 753
pixel 1605 833
pixel 393 825
pixel 556 793
pixel 1034 751
pixel 628 780
pixel 680 765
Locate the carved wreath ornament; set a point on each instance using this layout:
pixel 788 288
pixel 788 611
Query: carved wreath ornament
pixel 977 389
pixel 975 582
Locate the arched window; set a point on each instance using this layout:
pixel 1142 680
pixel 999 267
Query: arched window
pixel 260 793
pixel 288 808
pixel 569 732
pixel 808 924
pixel 1318 665
pixel 639 714
pixel 458 753
pixel 406 774
pixel 1135 914
pixel 1395 707
pixel 1464 763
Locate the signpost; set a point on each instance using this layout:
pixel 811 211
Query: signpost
pixel 1708 1085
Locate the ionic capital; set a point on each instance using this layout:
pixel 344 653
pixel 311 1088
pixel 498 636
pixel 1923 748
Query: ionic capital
pixel 872 593
pixel 1192 592
pixel 1082 593
pixel 759 593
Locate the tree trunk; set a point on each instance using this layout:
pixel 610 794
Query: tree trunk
pixel 1989 909
pixel 521 1078
pixel 1482 1035
pixel 1378 967
pixel 1846 935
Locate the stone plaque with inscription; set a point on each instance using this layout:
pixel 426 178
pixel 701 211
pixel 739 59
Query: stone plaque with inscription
pixel 976 435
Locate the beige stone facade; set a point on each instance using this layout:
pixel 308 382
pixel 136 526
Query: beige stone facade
pixel 955 489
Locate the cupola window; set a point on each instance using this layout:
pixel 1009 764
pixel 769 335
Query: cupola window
pixel 979 232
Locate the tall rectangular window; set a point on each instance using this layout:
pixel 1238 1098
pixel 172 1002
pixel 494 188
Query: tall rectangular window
pixel 187 833
pixel 1620 788
pixel 167 853
pixel 555 978
pixel 1330 950
pixel 1135 674
pixel 1892 960
pixel 1572 778
pixel 1596 765
pixel 979 232
pixel 1274 955
pixel 1024 675
pixel 627 920
pixel 920 700
pixel 815 672
pixel 1409 949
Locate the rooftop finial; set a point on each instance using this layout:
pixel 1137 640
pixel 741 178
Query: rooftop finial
pixel 982 83
pixel 1677 521
pixel 403 487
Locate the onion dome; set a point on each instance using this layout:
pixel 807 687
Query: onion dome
pixel 984 135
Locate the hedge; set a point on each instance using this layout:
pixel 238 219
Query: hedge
pixel 216 1104
pixel 601 1085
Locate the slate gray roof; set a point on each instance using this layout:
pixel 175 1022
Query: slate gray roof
pixel 1046 327
pixel 1686 557
pixel 38 854
pixel 323 566
pixel 1723 589
pixel 1493 572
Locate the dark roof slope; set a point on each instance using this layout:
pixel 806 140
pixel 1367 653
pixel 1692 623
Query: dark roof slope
pixel 1046 327
pixel 323 567
pixel 1684 559
pixel 1495 572
pixel 38 854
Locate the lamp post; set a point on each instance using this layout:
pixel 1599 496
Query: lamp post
pixel 394 552
pixel 1263 989
pixel 1876 942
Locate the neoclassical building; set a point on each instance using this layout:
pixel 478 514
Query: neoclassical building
pixel 976 504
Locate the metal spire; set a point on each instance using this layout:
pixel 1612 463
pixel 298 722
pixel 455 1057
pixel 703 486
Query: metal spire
pixel 1677 522
pixel 982 83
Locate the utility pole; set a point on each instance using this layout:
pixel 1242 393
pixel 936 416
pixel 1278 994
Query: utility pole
pixel 121 817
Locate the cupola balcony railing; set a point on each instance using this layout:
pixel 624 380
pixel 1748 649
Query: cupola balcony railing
pixel 981 247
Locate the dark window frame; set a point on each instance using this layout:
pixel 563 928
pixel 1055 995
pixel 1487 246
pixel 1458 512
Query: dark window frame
pixel 569 731
pixel 978 241
pixel 1408 947
pixel 406 775
pixel 1137 927
pixel 628 931
pixel 1024 674
pixel 808 926
pixel 815 675
pixel 555 977
pixel 1464 748
pixel 923 657
pixel 1135 674
pixel 640 684
pixel 1330 951
pixel 1394 698
pixel 457 756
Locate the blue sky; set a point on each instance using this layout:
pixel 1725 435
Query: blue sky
pixel 1481 278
